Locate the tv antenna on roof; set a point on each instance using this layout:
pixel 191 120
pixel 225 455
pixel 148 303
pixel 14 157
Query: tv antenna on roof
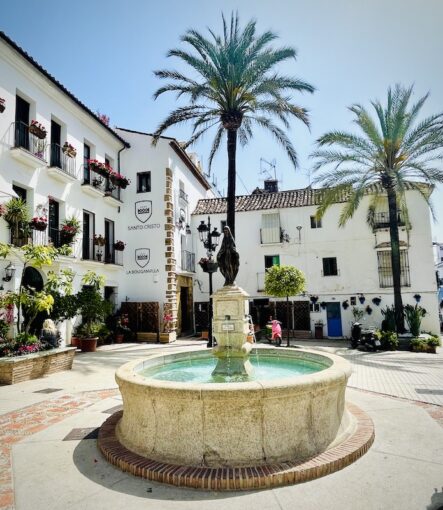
pixel 266 167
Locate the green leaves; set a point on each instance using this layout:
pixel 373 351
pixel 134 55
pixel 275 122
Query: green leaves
pixel 284 281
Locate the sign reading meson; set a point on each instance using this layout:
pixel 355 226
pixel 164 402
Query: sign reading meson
pixel 143 211
pixel 142 259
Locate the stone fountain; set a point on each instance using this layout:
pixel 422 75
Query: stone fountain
pixel 257 433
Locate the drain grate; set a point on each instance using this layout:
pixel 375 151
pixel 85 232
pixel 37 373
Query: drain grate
pixel 84 433
pixel 48 390
pixel 424 391
pixel 113 409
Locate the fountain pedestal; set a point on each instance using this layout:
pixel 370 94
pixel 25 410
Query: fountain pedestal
pixel 230 329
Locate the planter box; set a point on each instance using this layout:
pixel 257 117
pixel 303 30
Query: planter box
pixel 34 366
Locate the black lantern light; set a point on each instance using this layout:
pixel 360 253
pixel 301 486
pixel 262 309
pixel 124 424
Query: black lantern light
pixel 9 272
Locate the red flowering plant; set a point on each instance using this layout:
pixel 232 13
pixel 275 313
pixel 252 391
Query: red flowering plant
pixel 37 129
pixel 70 227
pixel 119 245
pixel 39 223
pixel 119 180
pixel 100 168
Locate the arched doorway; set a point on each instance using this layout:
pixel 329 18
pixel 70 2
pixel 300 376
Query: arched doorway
pixel 33 281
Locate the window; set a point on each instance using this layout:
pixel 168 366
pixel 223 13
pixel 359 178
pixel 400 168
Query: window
pixel 86 169
pixel 272 260
pixel 143 182
pixel 56 133
pixel 385 269
pixel 315 223
pixel 270 228
pixel 21 192
pixel 314 307
pixel 21 123
pixel 330 266
pixel 353 300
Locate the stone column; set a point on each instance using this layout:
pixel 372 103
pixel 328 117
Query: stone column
pixel 230 329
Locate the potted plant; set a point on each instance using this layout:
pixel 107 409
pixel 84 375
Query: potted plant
pixel 92 308
pixel 17 217
pixel 70 227
pixel 119 245
pixel 414 316
pixel 323 305
pixel 417 298
pixel 99 240
pixel 361 298
pixel 2 105
pixel 208 265
pixel 69 150
pixel 376 301
pixel 99 168
pixel 39 223
pixel 345 304
pixel 368 310
pixel 119 180
pixel 37 129
pixel 314 299
pixel 97 182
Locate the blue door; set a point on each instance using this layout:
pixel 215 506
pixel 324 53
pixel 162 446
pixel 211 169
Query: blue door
pixel 334 319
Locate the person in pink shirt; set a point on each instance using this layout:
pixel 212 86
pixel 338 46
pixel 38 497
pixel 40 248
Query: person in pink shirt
pixel 276 330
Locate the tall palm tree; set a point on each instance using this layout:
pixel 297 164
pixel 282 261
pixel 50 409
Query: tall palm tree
pixel 232 87
pixel 393 152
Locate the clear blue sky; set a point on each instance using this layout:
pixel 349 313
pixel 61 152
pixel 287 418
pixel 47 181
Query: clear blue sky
pixel 105 52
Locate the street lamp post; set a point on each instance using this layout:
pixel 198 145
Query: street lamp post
pixel 210 241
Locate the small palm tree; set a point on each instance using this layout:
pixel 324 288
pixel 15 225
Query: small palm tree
pixel 233 87
pixel 394 152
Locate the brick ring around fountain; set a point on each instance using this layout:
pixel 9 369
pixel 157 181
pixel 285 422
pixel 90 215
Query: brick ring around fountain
pixel 236 435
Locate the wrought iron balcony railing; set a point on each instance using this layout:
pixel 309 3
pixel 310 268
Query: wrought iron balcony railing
pixel 101 253
pixel 103 184
pixel 59 159
pixel 26 140
pixel 183 196
pixel 381 220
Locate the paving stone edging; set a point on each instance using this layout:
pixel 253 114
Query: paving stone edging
pixel 239 478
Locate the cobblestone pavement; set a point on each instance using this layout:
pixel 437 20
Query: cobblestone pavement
pixel 412 378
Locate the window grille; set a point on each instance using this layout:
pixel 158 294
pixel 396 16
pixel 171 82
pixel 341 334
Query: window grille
pixel 385 269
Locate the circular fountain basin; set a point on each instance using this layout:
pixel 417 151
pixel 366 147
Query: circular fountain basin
pixel 252 423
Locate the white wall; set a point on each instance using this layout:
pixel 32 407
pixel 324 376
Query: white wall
pixel 354 248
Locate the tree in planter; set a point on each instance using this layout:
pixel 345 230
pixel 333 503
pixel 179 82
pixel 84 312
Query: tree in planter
pixel 393 153
pixel 284 281
pixel 233 86
pixel 60 287
pixel 34 302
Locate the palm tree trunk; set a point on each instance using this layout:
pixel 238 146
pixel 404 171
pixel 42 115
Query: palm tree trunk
pixel 395 258
pixel 232 148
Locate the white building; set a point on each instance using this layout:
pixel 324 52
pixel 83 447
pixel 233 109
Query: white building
pixel 150 216
pixel 343 266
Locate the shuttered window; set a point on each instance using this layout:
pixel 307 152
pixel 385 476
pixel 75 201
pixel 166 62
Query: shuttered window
pixel 270 228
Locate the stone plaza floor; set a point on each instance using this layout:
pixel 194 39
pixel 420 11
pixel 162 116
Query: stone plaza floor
pixel 49 458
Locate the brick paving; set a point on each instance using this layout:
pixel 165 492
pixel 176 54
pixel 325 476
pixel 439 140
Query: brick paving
pixel 16 425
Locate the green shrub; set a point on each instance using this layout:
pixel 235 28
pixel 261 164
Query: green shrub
pixel 388 323
pixel 425 344
pixel 414 316
pixel 388 339
pixel 4 328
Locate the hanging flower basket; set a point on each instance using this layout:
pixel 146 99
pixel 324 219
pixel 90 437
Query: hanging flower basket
pixel 323 305
pixel 314 299
pixel 100 168
pixel 376 301
pixel 417 297
pixel 368 310
pixel 345 304
pixel 2 105
pixel 37 129
pixel 362 299
pixel 119 245
pixel 69 150
pixel 208 265
pixel 39 223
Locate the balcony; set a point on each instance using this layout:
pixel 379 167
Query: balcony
pixel 19 238
pixel 62 166
pixel 106 254
pixel 188 261
pixel 97 185
pixel 381 220
pixel 183 196
pixel 28 148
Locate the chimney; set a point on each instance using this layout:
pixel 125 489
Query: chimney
pixel 271 185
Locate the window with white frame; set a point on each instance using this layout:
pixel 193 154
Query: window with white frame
pixel 270 228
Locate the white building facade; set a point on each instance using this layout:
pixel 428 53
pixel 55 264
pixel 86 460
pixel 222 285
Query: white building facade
pixel 150 216
pixel 344 267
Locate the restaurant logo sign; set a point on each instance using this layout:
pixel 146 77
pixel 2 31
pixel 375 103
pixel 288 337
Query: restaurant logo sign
pixel 143 210
pixel 142 256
